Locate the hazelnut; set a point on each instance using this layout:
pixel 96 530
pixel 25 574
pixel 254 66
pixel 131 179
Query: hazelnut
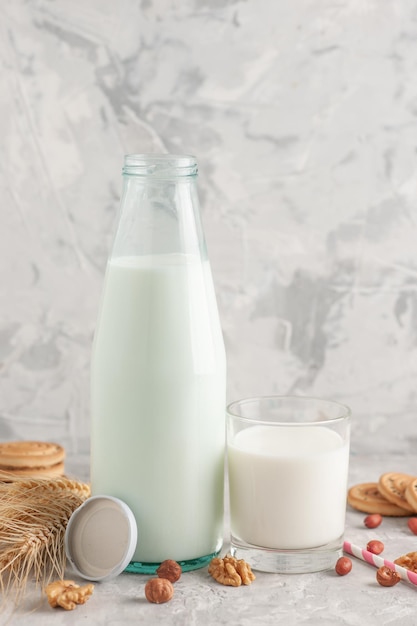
pixel 387 577
pixel 159 590
pixel 412 524
pixel 372 521
pixel 343 566
pixel 169 569
pixel 376 547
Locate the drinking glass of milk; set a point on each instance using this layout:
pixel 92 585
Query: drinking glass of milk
pixel 288 462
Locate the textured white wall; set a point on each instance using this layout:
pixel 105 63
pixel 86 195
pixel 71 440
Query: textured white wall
pixel 303 116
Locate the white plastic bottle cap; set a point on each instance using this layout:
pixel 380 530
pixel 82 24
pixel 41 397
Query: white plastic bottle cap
pixel 101 538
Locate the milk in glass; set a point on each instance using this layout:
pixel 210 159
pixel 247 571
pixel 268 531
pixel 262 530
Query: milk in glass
pixel 288 486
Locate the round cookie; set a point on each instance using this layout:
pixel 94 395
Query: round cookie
pixel 30 459
pixel 367 498
pixel 15 454
pixel 32 472
pixel 392 486
pixel 411 494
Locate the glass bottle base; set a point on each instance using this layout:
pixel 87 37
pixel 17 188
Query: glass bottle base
pixel 137 567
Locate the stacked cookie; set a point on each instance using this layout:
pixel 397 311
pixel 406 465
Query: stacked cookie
pixel 34 459
pixel 395 494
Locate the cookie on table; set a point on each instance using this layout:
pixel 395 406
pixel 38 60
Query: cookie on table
pixel 393 485
pixel 367 498
pixel 411 494
pixel 35 459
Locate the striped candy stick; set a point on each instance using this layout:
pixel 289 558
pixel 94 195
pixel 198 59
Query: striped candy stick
pixel 377 561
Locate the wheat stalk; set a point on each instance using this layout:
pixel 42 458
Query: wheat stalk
pixel 33 517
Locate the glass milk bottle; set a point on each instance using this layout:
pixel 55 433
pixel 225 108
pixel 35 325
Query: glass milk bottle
pixel 158 372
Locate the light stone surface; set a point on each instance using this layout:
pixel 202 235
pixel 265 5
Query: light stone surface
pixel 303 118
pixel 314 599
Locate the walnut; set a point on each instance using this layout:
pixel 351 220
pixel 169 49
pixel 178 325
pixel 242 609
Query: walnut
pixel 169 569
pixel 66 594
pixel 159 590
pixel 231 571
pixel 409 561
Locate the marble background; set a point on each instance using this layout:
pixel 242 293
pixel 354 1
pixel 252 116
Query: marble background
pixel 303 117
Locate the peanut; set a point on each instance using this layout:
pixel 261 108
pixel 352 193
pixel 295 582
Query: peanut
pixel 343 566
pixel 387 577
pixel 376 547
pixel 373 521
pixel 412 525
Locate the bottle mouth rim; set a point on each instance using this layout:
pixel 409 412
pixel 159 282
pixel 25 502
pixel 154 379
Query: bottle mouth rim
pixel 160 165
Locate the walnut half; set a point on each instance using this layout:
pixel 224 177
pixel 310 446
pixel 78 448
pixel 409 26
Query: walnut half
pixel 66 594
pixel 409 561
pixel 231 571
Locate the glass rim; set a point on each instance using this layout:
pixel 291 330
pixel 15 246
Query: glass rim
pixel 347 413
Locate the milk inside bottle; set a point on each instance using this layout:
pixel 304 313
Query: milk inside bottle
pixel 158 370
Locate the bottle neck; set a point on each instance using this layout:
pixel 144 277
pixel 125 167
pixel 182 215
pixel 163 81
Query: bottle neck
pixel 160 166
pixel 159 207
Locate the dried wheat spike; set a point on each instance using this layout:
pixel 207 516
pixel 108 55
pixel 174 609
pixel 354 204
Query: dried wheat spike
pixel 33 517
